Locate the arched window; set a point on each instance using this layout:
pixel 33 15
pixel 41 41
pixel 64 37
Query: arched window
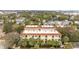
pixel 39 29
pixel 26 35
pixel 39 36
pixel 46 37
pixel 52 36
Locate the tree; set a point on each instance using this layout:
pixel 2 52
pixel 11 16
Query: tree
pixel 36 46
pixel 7 27
pixel 63 17
pixel 71 33
pixel 25 14
pixel 65 39
pixel 11 39
pixel 49 43
pixel 23 43
pixel 27 21
pixel 74 36
pixel 76 17
pixel 56 44
pixel 18 28
pixel 27 43
pixel 73 25
pixel 68 46
pixel 12 16
pixel 32 42
pixel 52 43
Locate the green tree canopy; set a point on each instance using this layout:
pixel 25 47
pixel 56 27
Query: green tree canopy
pixel 18 28
pixel 65 39
pixel 11 39
pixel 63 17
pixel 7 27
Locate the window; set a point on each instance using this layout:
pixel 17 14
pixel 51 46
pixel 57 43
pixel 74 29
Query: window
pixel 51 30
pixel 39 36
pixel 39 29
pixel 26 35
pixel 53 36
pixel 33 30
pixel 59 35
pixel 46 37
pixel 32 36
pixel 35 36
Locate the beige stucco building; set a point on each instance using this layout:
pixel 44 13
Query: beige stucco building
pixel 43 32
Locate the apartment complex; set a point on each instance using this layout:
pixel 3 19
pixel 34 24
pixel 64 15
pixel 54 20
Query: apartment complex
pixel 41 31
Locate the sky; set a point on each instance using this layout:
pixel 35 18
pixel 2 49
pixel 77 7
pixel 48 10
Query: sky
pixel 39 4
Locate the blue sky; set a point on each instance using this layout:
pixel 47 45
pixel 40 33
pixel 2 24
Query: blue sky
pixel 40 4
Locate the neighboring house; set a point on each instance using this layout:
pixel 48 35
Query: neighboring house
pixel 20 20
pixel 58 23
pixel 44 32
pixel 77 22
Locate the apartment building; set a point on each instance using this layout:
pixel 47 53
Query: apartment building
pixel 41 31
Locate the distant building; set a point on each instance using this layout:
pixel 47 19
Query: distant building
pixel 20 20
pixel 58 23
pixel 77 22
pixel 72 13
pixel 43 32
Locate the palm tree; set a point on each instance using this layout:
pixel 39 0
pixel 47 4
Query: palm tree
pixel 31 42
pixel 23 43
pixel 65 39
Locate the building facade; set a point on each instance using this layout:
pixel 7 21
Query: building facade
pixel 43 32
